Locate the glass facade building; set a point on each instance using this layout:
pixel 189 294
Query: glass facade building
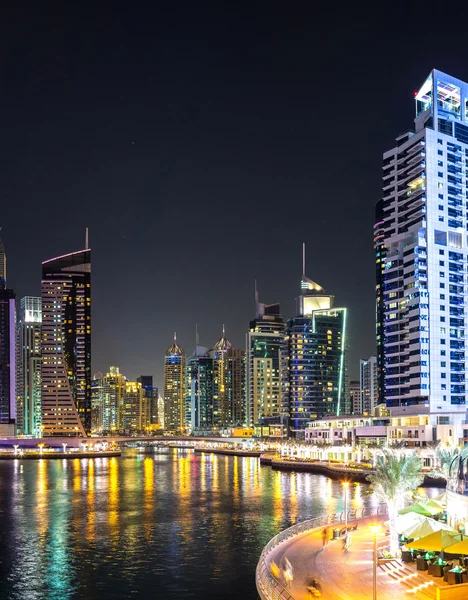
pixel 421 241
pixel 7 355
pixel 174 388
pixel 28 367
pixel 314 381
pixel 66 345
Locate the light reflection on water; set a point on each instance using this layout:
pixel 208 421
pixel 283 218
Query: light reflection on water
pixel 165 524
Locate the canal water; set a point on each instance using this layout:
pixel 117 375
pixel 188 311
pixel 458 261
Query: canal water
pixel 168 524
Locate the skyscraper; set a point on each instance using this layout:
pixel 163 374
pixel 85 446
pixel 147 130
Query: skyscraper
pixel 28 368
pixel 220 381
pixel 113 390
pixel 174 388
pixel 235 359
pixel 263 369
pixel 151 400
pixel 422 228
pixel 97 403
pixel 7 360
pixel 135 411
pixel 66 344
pixel 200 390
pixel 313 359
pixel 369 386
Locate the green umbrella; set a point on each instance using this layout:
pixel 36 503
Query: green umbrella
pixel 422 509
pixel 425 527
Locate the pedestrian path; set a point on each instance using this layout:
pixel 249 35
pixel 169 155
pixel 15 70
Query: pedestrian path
pixel 345 575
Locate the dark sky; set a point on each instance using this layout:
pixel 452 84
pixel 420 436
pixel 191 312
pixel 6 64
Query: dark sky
pixel 202 144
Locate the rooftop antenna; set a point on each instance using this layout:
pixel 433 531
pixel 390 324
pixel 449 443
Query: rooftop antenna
pixel 303 259
pixel 256 292
pixel 223 330
pixel 197 339
pixel 86 240
pixel 175 337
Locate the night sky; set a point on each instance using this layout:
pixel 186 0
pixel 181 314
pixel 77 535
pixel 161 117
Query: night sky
pixel 201 145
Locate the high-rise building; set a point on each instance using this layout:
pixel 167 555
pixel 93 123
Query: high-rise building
pixel 161 411
pixel 220 381
pixel 369 385
pixel 263 364
pixel 97 403
pixel 174 388
pixel 422 229
pixel 235 375
pixel 135 411
pixel 151 400
pixel 66 344
pixel 113 390
pixel 199 379
pixel 355 397
pixel 7 359
pixel 28 367
pixel 3 261
pixel 314 381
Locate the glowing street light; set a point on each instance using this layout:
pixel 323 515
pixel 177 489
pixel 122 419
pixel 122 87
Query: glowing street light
pixel 375 528
pixel 41 447
pixel 16 446
pixel 345 485
pixel 64 448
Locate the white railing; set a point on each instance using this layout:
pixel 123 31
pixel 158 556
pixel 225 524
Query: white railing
pixel 268 587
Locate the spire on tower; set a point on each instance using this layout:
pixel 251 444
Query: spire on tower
pixel 303 259
pixel 86 240
pixel 175 337
pixel 197 338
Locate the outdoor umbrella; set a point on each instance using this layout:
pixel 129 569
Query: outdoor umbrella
pixel 458 548
pixel 435 542
pixel 408 521
pixel 425 527
pixel 441 498
pixel 421 509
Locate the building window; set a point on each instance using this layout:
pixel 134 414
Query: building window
pixel 440 208
pixel 440 174
pixel 442 296
pixel 441 219
pixel 440 163
pixel 440 152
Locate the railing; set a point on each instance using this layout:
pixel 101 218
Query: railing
pixel 268 587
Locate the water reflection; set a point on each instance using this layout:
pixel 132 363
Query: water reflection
pixel 162 524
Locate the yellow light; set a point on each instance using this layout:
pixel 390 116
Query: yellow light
pixel 345 484
pixel 375 528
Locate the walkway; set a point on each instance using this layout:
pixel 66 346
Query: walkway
pixel 343 576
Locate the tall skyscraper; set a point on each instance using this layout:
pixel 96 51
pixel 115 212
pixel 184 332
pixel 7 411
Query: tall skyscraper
pixel 369 385
pixel 314 380
pixel 355 397
pixel 174 388
pixel 114 390
pixel 422 228
pixel 151 399
pixel 7 359
pixel 136 403
pixel 263 369
pixel 220 380
pixel 97 403
pixel 66 344
pixel 235 359
pixel 200 390
pixel 28 367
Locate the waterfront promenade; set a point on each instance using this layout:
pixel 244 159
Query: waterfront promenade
pixel 349 575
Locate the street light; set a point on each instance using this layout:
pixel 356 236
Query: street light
pixel 16 446
pixel 345 485
pixel 375 528
pixel 41 447
pixel 64 448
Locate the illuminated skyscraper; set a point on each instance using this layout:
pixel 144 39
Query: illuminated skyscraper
pixel 263 344
pixel 28 370
pixel 97 403
pixel 136 407
pixel 66 344
pixel 7 359
pixel 236 390
pixel 174 388
pixel 113 389
pixel 422 283
pixel 314 359
pixel 151 396
pixel 200 390
pixel 355 397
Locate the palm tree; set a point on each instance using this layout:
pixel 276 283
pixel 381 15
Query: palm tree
pixel 394 481
pixel 374 448
pixel 444 458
